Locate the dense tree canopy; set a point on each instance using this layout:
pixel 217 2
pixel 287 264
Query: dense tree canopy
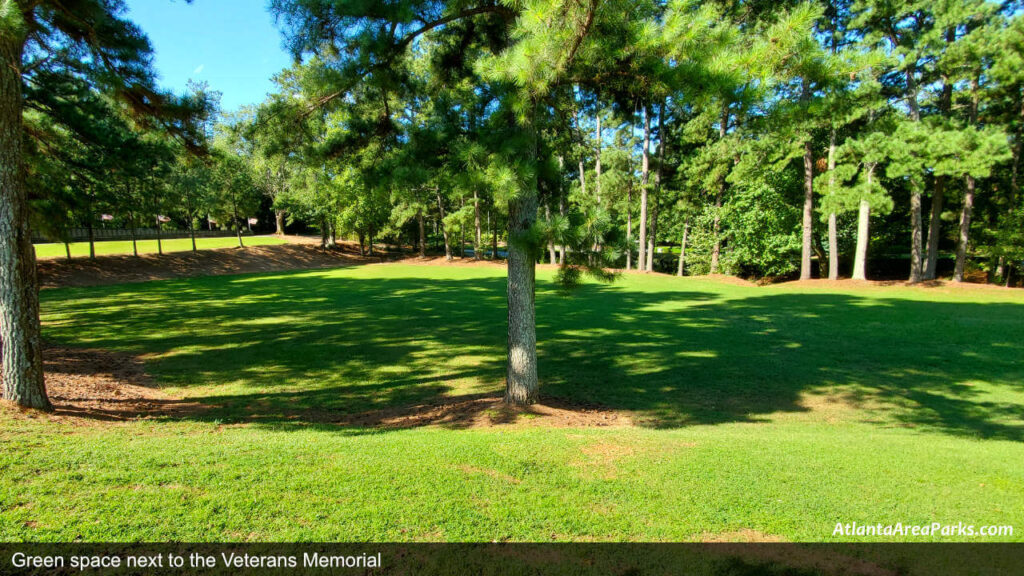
pixel 783 139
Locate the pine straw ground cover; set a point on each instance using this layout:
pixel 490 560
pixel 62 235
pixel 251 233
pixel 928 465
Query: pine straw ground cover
pixel 359 403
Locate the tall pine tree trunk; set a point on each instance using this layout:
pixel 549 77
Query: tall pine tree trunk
pixel 716 250
pixel 965 230
pixel 860 261
pixel 645 168
pixel 808 216
pixel 521 386
pixel 21 359
pixel 652 240
pixel 808 221
pixel 916 242
pixel 968 208
pixel 833 224
pixel 444 229
pixel 934 228
pixel 931 261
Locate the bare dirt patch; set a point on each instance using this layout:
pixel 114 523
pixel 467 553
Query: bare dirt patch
pixel 486 411
pixel 299 254
pixel 97 385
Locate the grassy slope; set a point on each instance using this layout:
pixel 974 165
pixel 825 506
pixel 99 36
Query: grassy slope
pixel 113 247
pixel 781 410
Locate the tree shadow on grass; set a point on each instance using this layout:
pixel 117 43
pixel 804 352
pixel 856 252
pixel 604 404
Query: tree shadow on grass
pixel 329 348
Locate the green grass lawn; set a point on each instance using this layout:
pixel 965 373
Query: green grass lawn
pixel 113 247
pixel 773 411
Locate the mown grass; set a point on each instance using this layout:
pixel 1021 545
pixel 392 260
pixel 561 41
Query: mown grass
pixel 761 412
pixel 116 247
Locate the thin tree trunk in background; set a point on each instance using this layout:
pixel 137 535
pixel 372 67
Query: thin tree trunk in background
pixel 597 160
pixel 965 230
pixel 159 242
pixel 931 258
pixel 682 247
pixel 563 248
pixel 652 240
pixel 645 168
pixel 444 229
pixel 629 228
pixel 916 223
pixel 279 222
pixel 423 233
pixel 462 231
pixel 968 208
pixel 477 244
pixel 863 235
pixel 493 224
pixel 934 228
pixel 716 250
pixel 21 359
pixel 92 240
pixel 833 221
pixel 808 221
pixel 551 243
pixel 192 230
pixel 135 242
pixel 67 250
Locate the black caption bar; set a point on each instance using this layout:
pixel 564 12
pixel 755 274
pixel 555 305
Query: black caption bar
pixel 514 559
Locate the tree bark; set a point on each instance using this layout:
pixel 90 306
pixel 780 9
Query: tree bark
pixel 652 240
pixel 563 248
pixel 67 250
pixel 968 208
pixel 21 359
pixel 444 229
pixel 279 222
pixel 808 222
pixel 645 160
pixel 863 235
pixel 916 226
pixel 833 223
pixel 965 230
pixel 521 387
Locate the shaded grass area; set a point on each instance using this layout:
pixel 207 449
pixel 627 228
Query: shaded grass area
pixel 762 412
pixel 114 247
